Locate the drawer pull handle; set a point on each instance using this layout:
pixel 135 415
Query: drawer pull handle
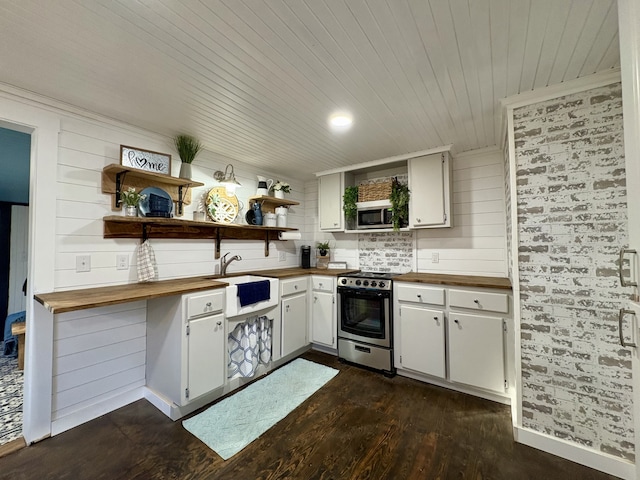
pixel 219 324
pixel 362 349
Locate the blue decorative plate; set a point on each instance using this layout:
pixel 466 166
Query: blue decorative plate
pixel 157 203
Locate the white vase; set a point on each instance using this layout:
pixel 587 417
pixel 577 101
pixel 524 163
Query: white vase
pixel 130 211
pixel 185 171
pixel 278 193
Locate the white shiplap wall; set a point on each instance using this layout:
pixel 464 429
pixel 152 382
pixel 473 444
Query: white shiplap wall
pixel 476 244
pixel 99 362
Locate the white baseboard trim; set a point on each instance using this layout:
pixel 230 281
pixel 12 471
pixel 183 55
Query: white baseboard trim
pixel 94 411
pixel 576 453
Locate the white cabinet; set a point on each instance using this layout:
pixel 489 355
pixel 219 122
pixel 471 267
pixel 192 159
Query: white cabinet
pixel 323 311
pixel 453 336
pixel 330 191
pixel 186 346
pixel 205 347
pixel 430 186
pixel 476 351
pixel 420 338
pixel 294 314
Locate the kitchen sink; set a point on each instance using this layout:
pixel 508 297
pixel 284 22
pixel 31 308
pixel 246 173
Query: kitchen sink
pixel 232 302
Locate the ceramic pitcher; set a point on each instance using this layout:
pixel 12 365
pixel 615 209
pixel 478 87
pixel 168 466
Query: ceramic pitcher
pixel 264 184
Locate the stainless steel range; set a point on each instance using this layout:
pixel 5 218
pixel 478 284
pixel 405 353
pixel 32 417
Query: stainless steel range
pixel 365 323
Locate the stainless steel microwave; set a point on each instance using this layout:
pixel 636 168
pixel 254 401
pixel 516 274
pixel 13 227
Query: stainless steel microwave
pixel 376 214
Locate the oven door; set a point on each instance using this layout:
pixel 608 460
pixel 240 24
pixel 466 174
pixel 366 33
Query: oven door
pixel 365 316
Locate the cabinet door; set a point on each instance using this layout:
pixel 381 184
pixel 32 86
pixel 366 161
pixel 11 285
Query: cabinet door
pixel 430 192
pixel 323 320
pixel 421 340
pixel 206 357
pixel 476 351
pixel 330 191
pixel 294 323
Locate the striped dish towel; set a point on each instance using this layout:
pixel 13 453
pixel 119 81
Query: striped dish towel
pixel 146 263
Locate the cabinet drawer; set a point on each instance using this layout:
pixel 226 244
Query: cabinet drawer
pixel 294 285
pixel 204 304
pixel 494 302
pixel 420 294
pixel 323 284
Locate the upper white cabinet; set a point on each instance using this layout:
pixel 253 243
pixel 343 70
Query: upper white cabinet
pixel 330 191
pixel 430 186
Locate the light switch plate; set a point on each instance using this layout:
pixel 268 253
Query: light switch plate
pixel 435 257
pixel 83 263
pixel 282 256
pixel 122 262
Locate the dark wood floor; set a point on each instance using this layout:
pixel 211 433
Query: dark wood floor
pixel 360 425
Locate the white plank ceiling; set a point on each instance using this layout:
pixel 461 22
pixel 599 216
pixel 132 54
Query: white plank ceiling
pixel 255 80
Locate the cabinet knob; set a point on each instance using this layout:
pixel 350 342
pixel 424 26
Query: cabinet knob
pixel 457 321
pixel 320 285
pixel 436 319
pixel 418 220
pixel 295 287
pixel 219 324
pixel 209 304
pixel 287 308
pixel 476 301
pixel 419 296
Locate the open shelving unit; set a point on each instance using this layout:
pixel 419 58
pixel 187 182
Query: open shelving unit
pixel 116 178
pixel 269 204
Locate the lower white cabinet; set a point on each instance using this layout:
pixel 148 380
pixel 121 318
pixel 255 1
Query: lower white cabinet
pixel 457 335
pixel 186 347
pixel 293 307
pixel 476 350
pixel 324 328
pixel 421 340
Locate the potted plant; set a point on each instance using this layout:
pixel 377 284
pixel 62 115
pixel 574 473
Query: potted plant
pixel 280 188
pixel 349 206
pixel 323 255
pixel 399 204
pixel 188 148
pixel 131 199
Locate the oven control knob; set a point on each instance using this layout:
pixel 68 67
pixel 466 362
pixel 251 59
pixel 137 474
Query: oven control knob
pixel 343 281
pixel 381 284
pixel 365 283
pixel 373 284
pixel 357 282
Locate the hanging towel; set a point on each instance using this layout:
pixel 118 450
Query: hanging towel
pixel 254 292
pixel 146 263
pixel 249 345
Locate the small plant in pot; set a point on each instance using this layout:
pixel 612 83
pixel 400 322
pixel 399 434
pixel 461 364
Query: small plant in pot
pixel 323 248
pixel 188 148
pixel 131 199
pixel 280 188
pixel 349 206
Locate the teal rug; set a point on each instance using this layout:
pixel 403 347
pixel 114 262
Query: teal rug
pixel 232 424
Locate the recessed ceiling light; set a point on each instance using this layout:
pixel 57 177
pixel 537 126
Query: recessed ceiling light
pixel 340 121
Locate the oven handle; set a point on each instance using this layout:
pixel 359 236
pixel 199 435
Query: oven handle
pixel 362 293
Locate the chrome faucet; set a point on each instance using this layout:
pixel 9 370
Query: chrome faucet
pixel 224 263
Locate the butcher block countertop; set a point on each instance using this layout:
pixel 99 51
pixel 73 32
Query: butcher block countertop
pixel 455 280
pixel 71 300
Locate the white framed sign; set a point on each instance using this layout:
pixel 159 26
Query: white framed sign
pixel 146 160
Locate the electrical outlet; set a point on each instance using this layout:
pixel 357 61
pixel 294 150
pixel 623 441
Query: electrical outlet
pixel 122 262
pixel 435 257
pixel 282 256
pixel 83 263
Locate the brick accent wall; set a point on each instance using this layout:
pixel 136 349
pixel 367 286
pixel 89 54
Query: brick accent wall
pixel 386 252
pixel 572 220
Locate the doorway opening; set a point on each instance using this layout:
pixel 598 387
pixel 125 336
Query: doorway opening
pixel 15 152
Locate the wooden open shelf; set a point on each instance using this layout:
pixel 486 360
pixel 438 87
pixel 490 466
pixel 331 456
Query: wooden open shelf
pixel 116 178
pixel 141 227
pixel 269 204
